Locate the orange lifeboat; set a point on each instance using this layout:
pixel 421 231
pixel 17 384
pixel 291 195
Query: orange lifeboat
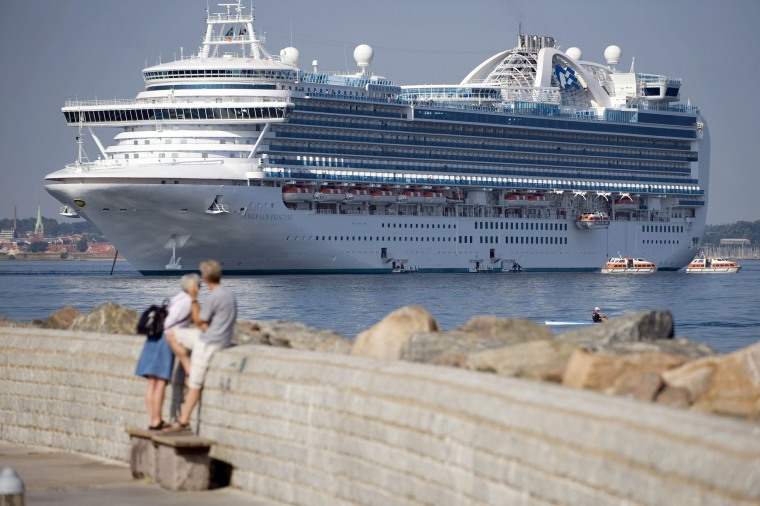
pixel 538 200
pixel 358 195
pixel 626 203
pixel 433 197
pixel 588 221
pixel 296 193
pixel 382 196
pixel 330 194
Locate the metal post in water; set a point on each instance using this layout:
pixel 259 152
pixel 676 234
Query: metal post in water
pixel 114 262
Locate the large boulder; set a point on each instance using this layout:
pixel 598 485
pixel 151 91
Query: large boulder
pixel 287 334
pixel 727 384
pixel 109 318
pixel 61 319
pixel 636 375
pixel 543 360
pixel 645 326
pixel 479 334
pixel 387 338
pixel 506 330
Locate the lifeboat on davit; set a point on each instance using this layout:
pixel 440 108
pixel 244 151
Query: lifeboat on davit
pixel 538 200
pixel 382 196
pixel 433 197
pixel 411 197
pixel 358 195
pixel 588 221
pixel 296 194
pixel 626 203
pixel 717 265
pixel 515 200
pixel 330 194
pixel 628 265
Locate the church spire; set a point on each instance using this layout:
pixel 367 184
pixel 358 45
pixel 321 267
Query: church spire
pixel 39 229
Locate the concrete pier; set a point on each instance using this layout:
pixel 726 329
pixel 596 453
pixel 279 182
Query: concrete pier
pixel 310 428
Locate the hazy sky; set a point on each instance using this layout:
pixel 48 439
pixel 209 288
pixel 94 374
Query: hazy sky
pixel 54 50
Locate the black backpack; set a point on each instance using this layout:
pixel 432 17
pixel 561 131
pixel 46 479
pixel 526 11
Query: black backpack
pixel 151 322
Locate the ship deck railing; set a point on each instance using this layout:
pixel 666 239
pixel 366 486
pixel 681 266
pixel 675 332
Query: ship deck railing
pixel 484 182
pixel 170 100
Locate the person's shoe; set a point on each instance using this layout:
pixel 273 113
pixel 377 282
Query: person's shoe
pixel 177 428
pixel 160 426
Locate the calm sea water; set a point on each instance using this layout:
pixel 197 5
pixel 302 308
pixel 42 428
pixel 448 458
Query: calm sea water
pixel 720 310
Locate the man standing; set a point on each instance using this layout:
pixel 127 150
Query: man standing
pixel 213 331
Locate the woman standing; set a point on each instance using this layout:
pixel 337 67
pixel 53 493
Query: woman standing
pixel 156 361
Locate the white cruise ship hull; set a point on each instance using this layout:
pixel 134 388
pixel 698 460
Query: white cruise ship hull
pixel 150 224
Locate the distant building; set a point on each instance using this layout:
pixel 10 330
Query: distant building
pixel 734 242
pixel 736 248
pixel 9 235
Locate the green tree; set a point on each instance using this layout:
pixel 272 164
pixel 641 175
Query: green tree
pixel 82 244
pixel 38 247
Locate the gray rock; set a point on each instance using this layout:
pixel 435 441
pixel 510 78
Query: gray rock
pixel 645 326
pixel 61 319
pixel 109 318
pixel 644 332
pixel 286 334
pixel 445 347
pixel 507 330
pixel 387 338
pixel 479 334
pixel 543 360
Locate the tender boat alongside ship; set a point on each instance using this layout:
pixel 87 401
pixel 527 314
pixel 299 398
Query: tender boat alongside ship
pixel 628 265
pixel 539 157
pixel 716 265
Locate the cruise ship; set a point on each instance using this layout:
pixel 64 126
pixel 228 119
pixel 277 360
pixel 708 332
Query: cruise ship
pixel 238 154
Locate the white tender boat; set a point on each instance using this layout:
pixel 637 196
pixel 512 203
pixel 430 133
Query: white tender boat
pixel 628 265
pixel 716 265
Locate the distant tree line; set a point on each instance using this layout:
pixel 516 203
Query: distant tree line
pixel 53 228
pixel 739 230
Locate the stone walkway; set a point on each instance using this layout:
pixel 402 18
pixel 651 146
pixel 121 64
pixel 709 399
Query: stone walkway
pixel 55 477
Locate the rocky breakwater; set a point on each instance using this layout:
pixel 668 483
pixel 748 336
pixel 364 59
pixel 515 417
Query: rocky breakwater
pixel 636 356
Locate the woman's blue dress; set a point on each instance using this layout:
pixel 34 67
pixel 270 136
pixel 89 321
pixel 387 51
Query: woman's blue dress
pixel 156 359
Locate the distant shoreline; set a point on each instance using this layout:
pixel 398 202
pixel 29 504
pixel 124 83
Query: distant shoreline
pixel 37 258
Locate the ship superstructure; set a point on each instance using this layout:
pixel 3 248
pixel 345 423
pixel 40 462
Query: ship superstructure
pixel 238 154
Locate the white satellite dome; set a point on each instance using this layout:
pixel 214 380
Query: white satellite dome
pixel 574 53
pixel 291 54
pixel 363 56
pixel 612 54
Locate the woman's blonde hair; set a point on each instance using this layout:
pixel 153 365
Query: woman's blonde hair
pixel 189 280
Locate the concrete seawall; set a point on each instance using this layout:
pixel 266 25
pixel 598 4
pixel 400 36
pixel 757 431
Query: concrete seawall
pixel 313 428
